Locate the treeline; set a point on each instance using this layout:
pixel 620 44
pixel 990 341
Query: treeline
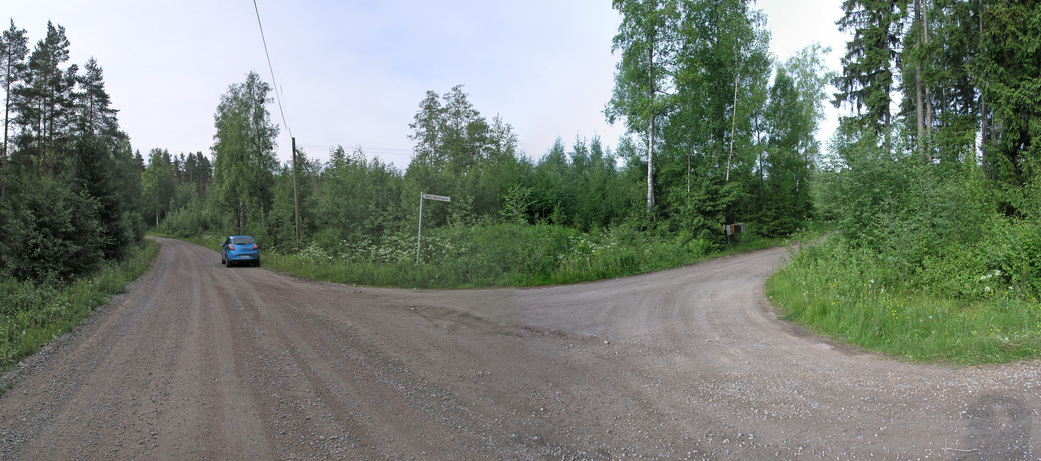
pixel 69 183
pixel 729 129
pixel 351 199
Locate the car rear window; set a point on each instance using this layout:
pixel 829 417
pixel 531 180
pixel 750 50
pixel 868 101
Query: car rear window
pixel 242 240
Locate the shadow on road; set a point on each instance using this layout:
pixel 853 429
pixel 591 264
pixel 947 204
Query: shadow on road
pixel 1000 427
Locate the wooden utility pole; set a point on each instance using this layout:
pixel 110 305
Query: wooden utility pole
pixel 296 198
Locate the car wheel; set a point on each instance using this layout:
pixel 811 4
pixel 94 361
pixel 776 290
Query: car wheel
pixel 256 264
pixel 227 262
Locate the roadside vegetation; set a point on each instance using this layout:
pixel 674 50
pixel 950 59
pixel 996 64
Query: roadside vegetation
pixel 929 262
pixel 497 255
pixel 32 313
pixel 937 256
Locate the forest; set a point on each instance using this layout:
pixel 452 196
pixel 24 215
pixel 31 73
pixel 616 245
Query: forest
pixel 932 184
pixel 924 205
pixel 731 140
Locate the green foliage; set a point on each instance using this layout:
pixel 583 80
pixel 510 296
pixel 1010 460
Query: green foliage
pixel 927 265
pixel 459 154
pixel 851 294
pixel 672 52
pixel 158 185
pixel 496 254
pixel 867 78
pixel 355 198
pixel 50 233
pixel 244 160
pixel 70 188
pixel 1006 74
pixel 516 203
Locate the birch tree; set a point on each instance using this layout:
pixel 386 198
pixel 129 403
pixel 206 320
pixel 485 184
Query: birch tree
pixel 649 41
pixel 244 150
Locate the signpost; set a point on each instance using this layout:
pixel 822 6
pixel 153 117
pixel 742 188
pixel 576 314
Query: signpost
pixel 419 236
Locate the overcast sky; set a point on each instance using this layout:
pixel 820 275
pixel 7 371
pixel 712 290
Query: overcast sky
pixel 352 73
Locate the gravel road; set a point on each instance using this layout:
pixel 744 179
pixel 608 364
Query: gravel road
pixel 199 361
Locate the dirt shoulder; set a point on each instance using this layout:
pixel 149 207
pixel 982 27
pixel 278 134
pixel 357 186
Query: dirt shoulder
pixel 202 361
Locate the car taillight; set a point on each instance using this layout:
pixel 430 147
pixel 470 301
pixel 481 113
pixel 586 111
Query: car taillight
pixel 254 246
pixel 231 246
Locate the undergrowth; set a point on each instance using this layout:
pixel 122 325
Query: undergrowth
pixel 494 255
pixel 34 313
pixel 856 295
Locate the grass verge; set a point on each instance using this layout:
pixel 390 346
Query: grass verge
pixel 31 315
pixel 496 255
pixel 849 295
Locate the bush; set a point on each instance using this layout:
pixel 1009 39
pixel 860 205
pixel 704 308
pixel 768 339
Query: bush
pixel 49 232
pixel 963 304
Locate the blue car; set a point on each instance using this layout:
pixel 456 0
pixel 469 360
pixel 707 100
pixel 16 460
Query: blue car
pixel 239 249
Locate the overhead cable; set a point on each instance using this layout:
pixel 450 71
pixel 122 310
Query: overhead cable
pixel 274 85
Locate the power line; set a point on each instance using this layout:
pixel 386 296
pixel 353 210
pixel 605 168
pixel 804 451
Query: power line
pixel 364 149
pixel 272 69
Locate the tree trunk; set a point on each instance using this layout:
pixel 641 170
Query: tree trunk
pixel 3 155
pixel 984 126
pixel 650 136
pixel 919 103
pixel 762 175
pixel 733 126
pixel 650 166
pixel 928 92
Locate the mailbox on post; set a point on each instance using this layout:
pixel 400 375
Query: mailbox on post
pixel 732 229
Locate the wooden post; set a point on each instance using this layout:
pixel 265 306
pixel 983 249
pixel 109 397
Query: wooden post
pixel 296 198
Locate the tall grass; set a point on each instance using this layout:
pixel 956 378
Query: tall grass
pixel 32 314
pixel 852 295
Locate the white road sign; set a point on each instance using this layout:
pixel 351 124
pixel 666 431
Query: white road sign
pixel 437 197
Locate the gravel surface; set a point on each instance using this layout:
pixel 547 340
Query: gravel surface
pixel 199 361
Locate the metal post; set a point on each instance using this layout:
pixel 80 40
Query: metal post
pixel 420 235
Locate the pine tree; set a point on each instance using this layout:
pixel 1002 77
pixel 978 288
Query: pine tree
pixel 867 77
pixel 44 104
pixel 13 51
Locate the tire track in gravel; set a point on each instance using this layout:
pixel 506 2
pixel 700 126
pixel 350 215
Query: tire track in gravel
pixel 76 384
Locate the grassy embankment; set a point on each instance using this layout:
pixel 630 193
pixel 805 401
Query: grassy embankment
pixel 33 314
pixel 856 297
pixel 496 255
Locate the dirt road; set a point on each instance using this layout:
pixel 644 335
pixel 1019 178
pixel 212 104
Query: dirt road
pixel 199 361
